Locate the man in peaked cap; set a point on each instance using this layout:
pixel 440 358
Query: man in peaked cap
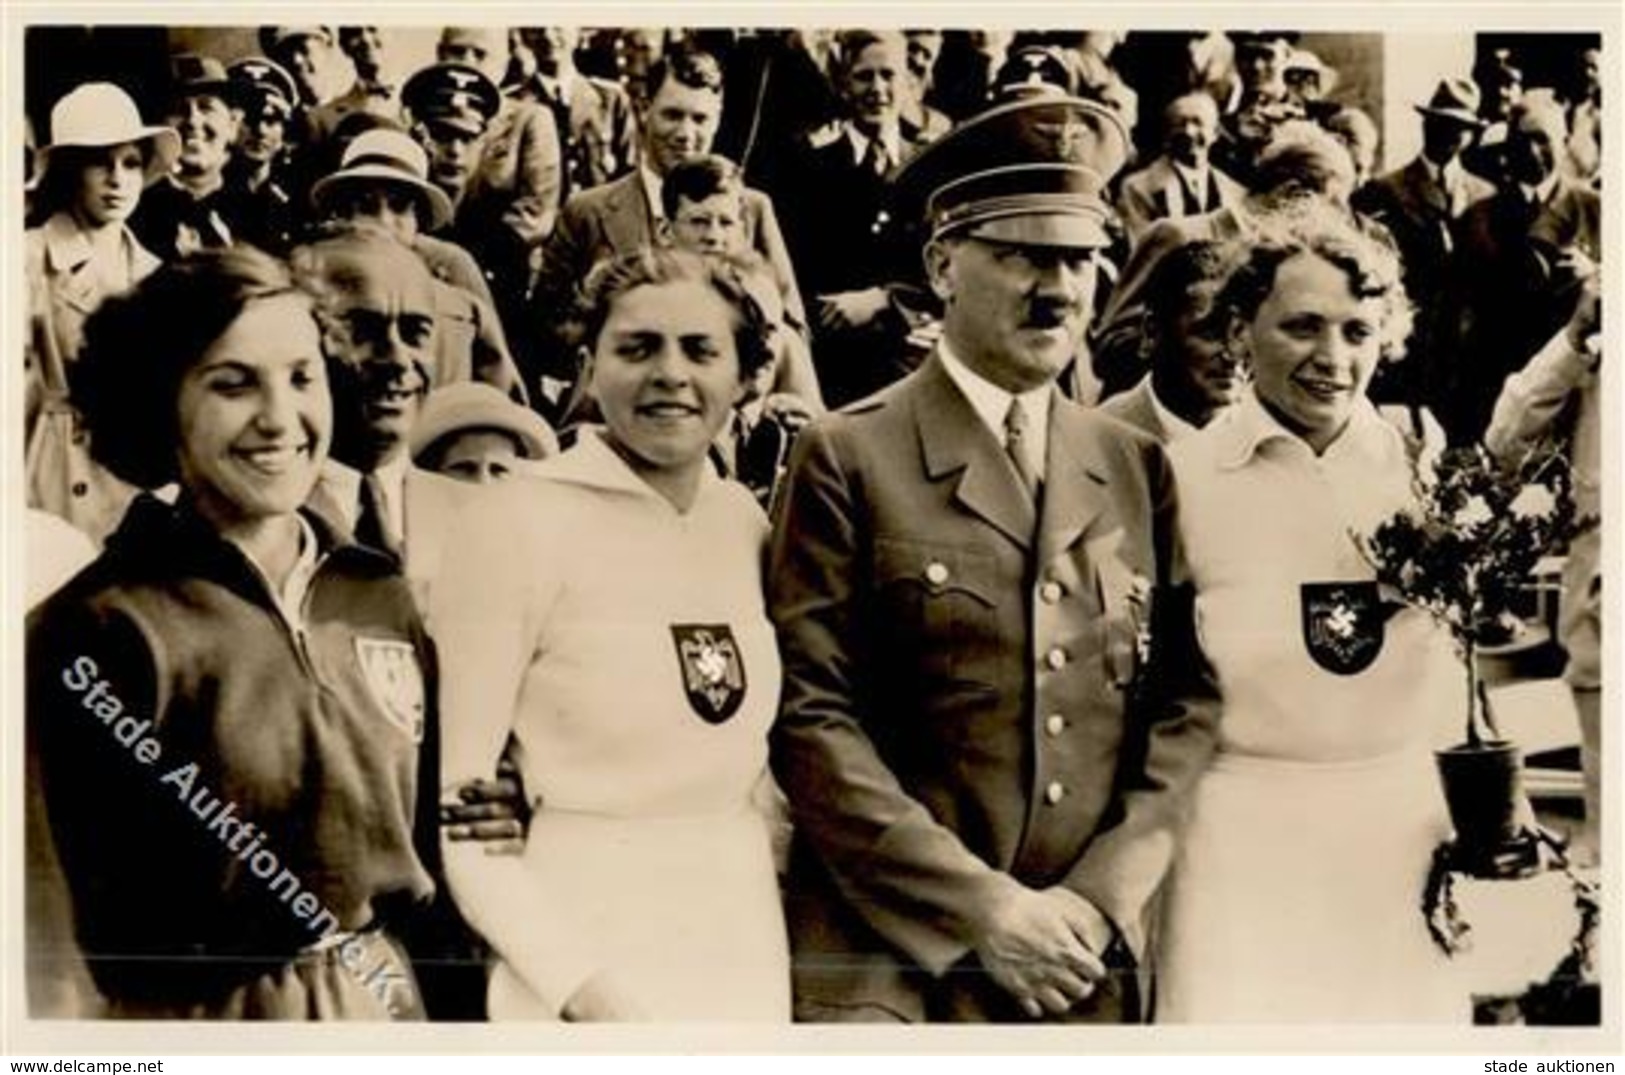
pixel 257 177
pixel 451 105
pixel 979 737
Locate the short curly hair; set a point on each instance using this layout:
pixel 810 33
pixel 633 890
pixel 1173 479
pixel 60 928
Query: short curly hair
pixel 139 346
pixel 726 275
pixel 1362 251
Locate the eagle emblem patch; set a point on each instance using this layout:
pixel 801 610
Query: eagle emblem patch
pixel 390 667
pixel 713 670
pixel 1342 625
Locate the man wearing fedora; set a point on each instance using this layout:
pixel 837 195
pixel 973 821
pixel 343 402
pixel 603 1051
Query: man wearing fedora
pixel 973 580
pixel 1420 204
pixel 381 185
pixel 190 209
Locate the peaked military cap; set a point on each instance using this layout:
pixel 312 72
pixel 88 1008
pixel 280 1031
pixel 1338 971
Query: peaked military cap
pixel 454 94
pixel 1030 170
pixel 264 85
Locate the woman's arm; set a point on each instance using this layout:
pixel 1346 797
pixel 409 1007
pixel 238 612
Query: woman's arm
pixel 488 612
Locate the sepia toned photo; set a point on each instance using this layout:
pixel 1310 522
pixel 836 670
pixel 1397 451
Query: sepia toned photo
pixel 768 525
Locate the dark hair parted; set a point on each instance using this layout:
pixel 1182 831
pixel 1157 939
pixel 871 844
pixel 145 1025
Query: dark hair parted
pixel 1360 250
pixel 690 66
pixel 1186 276
pixel 654 266
pixel 140 345
pixel 697 179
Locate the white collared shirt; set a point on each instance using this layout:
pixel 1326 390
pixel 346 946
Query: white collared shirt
pixel 290 597
pixel 891 138
pixel 1195 180
pixel 991 403
pixel 345 481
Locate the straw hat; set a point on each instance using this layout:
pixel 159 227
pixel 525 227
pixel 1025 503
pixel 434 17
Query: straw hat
pixel 468 406
pixel 386 156
pixel 1457 99
pixel 97 115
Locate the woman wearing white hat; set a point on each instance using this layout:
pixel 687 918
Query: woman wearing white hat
pixel 100 158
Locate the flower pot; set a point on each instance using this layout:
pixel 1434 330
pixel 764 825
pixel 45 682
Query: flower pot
pixel 1483 787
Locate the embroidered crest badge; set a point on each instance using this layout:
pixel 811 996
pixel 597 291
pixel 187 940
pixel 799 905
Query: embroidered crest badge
pixel 713 670
pixel 1342 625
pixel 391 669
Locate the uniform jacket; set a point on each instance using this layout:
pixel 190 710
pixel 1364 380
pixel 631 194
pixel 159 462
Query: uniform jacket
pixel 965 700
pixel 317 737
pixel 1137 408
pixel 1156 192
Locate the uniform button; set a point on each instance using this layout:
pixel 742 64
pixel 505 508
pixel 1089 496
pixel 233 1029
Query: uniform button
pixel 1054 724
pixel 936 573
pixel 1050 592
pixel 1054 793
pixel 80 488
pixel 1056 658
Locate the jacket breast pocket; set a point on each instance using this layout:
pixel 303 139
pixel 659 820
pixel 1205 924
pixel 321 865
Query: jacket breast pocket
pixel 939 611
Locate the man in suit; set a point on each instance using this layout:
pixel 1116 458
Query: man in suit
pixel 382 185
pixel 1181 182
pixel 378 315
pixel 1521 258
pixel 977 740
pixel 679 125
pixel 844 228
pixel 1302 161
pixel 1420 204
pixel 593 116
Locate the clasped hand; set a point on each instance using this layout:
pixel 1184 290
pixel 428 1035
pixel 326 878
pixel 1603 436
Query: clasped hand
pixel 1043 947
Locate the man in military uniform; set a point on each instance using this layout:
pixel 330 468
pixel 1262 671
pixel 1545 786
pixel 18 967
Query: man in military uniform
pixel 257 176
pixel 512 199
pixel 974 584
pixel 451 105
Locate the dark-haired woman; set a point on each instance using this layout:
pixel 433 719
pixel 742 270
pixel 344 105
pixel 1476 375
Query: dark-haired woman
pixel 226 712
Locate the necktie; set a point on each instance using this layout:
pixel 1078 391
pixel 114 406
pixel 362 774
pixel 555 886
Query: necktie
pixel 372 527
pixel 876 161
pixel 1015 446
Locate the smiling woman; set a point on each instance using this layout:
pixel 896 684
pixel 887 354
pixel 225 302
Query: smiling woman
pixel 278 666
pixel 610 618
pixel 1296 893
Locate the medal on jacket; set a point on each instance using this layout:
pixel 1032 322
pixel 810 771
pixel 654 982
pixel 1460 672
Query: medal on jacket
pixel 713 672
pixel 390 667
pixel 1342 625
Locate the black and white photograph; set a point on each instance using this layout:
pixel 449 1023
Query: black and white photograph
pixel 778 523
